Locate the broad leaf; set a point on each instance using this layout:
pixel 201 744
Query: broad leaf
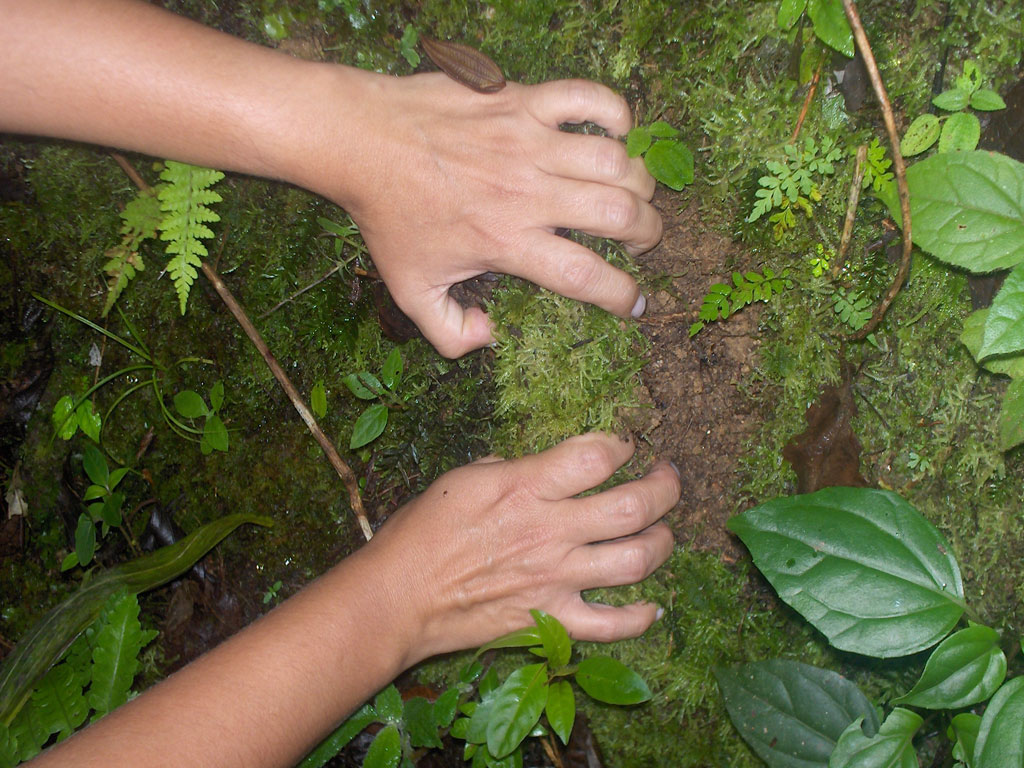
pixel 215 433
pixel 561 709
pixel 966 668
pixel 420 724
pixel 891 747
pixel 391 373
pixel 189 404
pixel 671 163
pixel 89 421
pixel 1011 416
pixel 216 396
pixel 862 565
pixel 1004 324
pixel 792 714
pixel 663 130
pixel 961 133
pixel 972 336
pixel 444 707
pixel 110 510
pixel 386 749
pixel 318 399
pixel 952 100
pixel 789 12
pixel 8 747
pixel 921 134
pixel 85 539
pixel 963 730
pixel 609 680
pixel 967 209
pixel 1001 733
pixel 357 388
pixel 115 654
pixel 987 100
pixel 831 26
pixel 333 744
pixel 64 421
pixel 59 702
pixel 43 645
pixel 517 638
pixel 638 141
pixel 95 465
pixel 388 704
pixel 554 638
pixel 516 708
pixel 369 425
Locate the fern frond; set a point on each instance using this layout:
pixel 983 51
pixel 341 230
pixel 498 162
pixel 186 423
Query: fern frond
pixel 140 218
pixel 59 701
pixel 115 652
pixel 184 202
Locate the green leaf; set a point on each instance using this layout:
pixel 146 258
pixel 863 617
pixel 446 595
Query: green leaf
pixel 831 26
pixel 445 706
pixel 987 100
pixel 318 399
pixel 333 744
pixel 371 382
pixel 789 12
pixel 921 134
pixel 70 561
pixel 970 79
pixel 64 422
pixel 89 421
pixel 972 336
pixel 609 680
pixel 190 404
pixel 662 130
pixel 1004 324
pixel 116 477
pixel 517 638
pixel 554 638
pixel 891 747
pixel 1011 416
pixel 561 709
pixel 369 425
pixel 95 465
pixel 792 714
pixel 115 654
pixel 961 133
pixel 638 141
pixel 216 396
pixel 215 433
pixel 966 667
pixel 357 388
pixel 43 645
pixel 388 704
pixel 110 512
pixel 952 100
pixel 386 749
pixel 8 747
pixel 861 565
pixel 85 539
pixel 516 708
pixel 671 163
pixel 420 725
pixel 1000 736
pixel 391 373
pixel 963 729
pixel 59 701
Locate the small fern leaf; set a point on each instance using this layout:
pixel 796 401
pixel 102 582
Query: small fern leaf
pixel 59 701
pixel 115 652
pixel 29 731
pixel 184 202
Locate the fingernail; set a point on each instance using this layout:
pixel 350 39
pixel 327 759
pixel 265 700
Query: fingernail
pixel 659 613
pixel 673 465
pixel 639 307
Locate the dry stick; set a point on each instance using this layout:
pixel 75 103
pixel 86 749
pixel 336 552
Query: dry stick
pixel 851 205
pixel 344 471
pixel 808 99
pixel 898 166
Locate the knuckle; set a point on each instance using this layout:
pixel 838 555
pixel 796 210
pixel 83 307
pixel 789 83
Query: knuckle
pixel 581 271
pixel 621 211
pixel 611 161
pixel 592 458
pixel 633 563
pixel 633 510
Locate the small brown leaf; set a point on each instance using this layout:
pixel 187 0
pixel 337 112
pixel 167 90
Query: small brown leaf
pixel 465 65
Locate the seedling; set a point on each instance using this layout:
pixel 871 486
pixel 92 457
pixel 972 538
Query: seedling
pixel 364 385
pixel 105 509
pixel 665 156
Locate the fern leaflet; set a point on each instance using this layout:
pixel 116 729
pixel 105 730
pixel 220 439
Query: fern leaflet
pixel 59 701
pixel 141 218
pixel 115 652
pixel 184 202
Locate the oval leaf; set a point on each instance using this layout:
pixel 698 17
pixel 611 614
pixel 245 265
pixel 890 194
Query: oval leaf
pixel 609 680
pixel 63 420
pixel 960 133
pixel 966 668
pixel 517 638
pixel 891 747
pixel 561 709
pixel 831 26
pixel 987 100
pixel 1001 736
pixel 671 163
pixel 861 565
pixel 386 749
pixel 189 404
pixel 973 336
pixel 369 425
pixel 963 730
pixel 420 724
pixel 357 388
pixel 792 714
pixel 85 539
pixel 516 708
pixel 1004 324
pixel 217 395
pixel 318 399
pixel 89 421
pixel 921 134
pixel 391 373
pixel 952 100
pixel 215 433
pixel 95 465
pixel 789 12
pixel 554 638
pixel 1011 416
pixel 663 130
pixel 638 141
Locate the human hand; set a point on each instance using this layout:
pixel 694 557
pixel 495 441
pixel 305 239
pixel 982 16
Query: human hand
pixel 453 183
pixel 469 558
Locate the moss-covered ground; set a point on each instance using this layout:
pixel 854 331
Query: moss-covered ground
pixel 730 80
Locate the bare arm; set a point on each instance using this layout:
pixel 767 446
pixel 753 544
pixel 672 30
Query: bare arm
pixel 444 183
pixel 453 569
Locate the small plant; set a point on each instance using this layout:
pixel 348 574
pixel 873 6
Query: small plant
pixel 794 183
pixel 853 309
pixel 407 46
pixel 105 509
pixel 72 414
pixel 665 156
pixel 318 399
pixel 724 300
pixel 876 173
pixel 271 594
pixel 364 385
pixel 827 19
pixel 214 435
pixel 494 726
pixel 961 130
pixel 908 597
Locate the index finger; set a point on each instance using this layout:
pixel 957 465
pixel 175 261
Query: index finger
pixel 575 465
pixel 579 101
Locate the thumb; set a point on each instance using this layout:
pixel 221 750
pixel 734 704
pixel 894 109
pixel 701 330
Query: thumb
pixel 452 330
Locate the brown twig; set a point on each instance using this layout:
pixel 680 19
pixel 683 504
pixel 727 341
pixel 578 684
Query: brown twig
pixel 808 99
pixel 130 171
pixel 898 167
pixel 344 471
pixel 851 205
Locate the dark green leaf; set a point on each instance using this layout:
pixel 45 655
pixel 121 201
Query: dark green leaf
pixel 609 680
pixel 8 747
pixel 388 704
pixel 1001 736
pixel 516 708
pixel 110 512
pixel 470 672
pixel 966 667
pixel 518 638
pixel 831 26
pixel 444 707
pixel 59 701
pixel 420 724
pixel 63 417
pixel 987 100
pixel 952 100
pixel 963 730
pixel 662 130
pixel 960 134
pixel 115 653
pixel 792 714
pixel 638 140
pixel 554 638
pixel 216 395
pixel 391 373
pixel 386 749
pixel 318 399
pixel 861 565
pixel 371 382
pixel 488 683
pixel 476 728
pixel 189 404
pixel 30 733
pixel 357 388
pixel 89 421
pixel 1011 416
pixel 972 336
pixel 921 134
pixel 369 425
pixel 215 433
pixel 334 743
pixel 891 747
pixel 95 465
pixel 671 163
pixel 116 477
pixel 1004 324
pixel 789 12
pixel 70 561
pixel 85 539
pixel 561 709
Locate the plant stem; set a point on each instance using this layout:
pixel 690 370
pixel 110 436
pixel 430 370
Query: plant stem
pixel 851 206
pixel 808 99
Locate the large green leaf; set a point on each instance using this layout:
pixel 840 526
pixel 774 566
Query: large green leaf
pixel 516 708
pixel 115 654
pixel 1011 416
pixel 554 638
pixel 1001 735
pixel 334 743
pixel 386 749
pixel 961 133
pixel 891 747
pixel 369 425
pixel 966 668
pixel 671 163
pixel 967 208
pixel 59 701
pixel 831 26
pixel 972 337
pixel 792 714
pixel 1004 325
pixel 862 565
pixel 609 680
pixel 789 12
pixel 561 709
pixel 43 645
pixel 420 723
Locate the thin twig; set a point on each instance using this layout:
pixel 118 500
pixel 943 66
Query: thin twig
pixel 301 291
pixel 130 171
pixel 851 204
pixel 808 99
pixel 898 167
pixel 344 471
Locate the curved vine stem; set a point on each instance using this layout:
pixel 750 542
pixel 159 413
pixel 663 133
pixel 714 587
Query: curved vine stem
pixel 899 167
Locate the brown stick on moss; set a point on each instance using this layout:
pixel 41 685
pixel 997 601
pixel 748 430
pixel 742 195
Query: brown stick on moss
pixel 898 167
